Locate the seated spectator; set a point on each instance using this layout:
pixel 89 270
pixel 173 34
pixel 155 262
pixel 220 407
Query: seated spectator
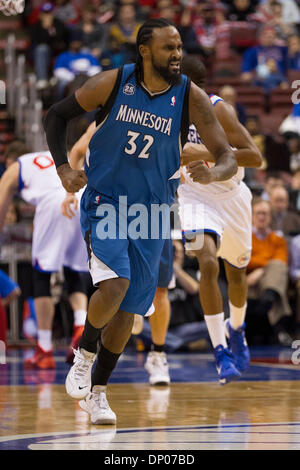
pixel 270 77
pixel 240 10
pixel 229 3
pixel 94 35
pixel 293 141
pixel 293 52
pixel 290 13
pixel 73 62
pixel 272 180
pixel 49 37
pixel 267 276
pixel 147 7
pixel 115 55
pixel 125 29
pixel 166 9
pixel 274 149
pixel 284 222
pixel 228 94
pixel 282 28
pixel 67 11
pixel 255 58
pixel 206 27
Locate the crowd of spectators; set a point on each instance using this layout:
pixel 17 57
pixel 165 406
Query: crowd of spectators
pixel 245 45
pixel 262 35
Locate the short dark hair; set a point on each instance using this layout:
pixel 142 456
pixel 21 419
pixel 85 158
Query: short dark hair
pixel 195 69
pixel 15 149
pixel 143 37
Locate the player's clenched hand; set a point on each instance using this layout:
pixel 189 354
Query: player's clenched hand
pixel 193 152
pixel 72 180
pixel 68 203
pixel 200 173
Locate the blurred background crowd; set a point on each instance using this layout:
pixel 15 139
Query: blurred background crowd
pixel 251 50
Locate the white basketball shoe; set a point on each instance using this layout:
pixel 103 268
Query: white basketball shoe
pixel 78 381
pixel 157 367
pixel 97 406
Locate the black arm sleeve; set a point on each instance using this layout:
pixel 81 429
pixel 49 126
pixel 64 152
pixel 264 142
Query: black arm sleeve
pixel 55 125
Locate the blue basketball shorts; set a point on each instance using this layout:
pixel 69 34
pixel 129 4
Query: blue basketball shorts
pixel 115 251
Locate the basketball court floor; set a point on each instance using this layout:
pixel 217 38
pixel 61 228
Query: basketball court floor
pixel 259 412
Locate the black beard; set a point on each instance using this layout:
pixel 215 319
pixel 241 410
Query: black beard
pixel 173 78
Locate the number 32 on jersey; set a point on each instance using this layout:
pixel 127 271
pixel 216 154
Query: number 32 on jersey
pixel 131 147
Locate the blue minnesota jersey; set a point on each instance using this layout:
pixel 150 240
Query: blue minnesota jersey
pixel 135 150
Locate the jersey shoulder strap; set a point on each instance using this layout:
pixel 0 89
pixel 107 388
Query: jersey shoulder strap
pixel 215 99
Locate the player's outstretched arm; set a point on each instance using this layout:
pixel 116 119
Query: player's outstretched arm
pixel 92 94
pixel 213 136
pixel 8 187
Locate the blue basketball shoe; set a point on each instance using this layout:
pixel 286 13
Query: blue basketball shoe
pixel 238 345
pixel 225 365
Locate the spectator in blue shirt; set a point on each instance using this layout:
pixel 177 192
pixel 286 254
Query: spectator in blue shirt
pixel 255 58
pixel 73 62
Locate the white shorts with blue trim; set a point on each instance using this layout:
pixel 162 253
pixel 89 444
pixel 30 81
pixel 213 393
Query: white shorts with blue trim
pixel 57 241
pixel 229 216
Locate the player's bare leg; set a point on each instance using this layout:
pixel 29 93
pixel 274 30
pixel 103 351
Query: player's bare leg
pixel 160 319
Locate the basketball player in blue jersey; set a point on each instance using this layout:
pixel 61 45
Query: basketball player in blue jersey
pixel 133 158
pixel 226 230
pixel 156 363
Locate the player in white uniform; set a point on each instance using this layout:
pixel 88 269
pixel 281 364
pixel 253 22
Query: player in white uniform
pixel 57 243
pixel 216 221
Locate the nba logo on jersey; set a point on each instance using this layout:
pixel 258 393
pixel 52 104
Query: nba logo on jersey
pixel 97 199
pixel 128 89
pixel 173 100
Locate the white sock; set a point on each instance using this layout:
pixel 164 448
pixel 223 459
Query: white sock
pixel 79 317
pixel 237 315
pixel 216 330
pixel 45 339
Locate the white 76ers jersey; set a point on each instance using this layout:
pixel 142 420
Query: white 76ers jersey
pixel 216 188
pixel 56 241
pixel 38 179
